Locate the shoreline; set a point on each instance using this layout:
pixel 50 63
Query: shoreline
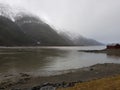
pixel 107 83
pixel 24 81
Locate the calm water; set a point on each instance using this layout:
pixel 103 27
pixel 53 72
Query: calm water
pixel 50 60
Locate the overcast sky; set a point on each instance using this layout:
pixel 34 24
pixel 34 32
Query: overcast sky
pixel 97 19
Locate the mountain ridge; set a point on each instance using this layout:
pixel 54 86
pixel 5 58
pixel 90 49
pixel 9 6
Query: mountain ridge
pixel 26 29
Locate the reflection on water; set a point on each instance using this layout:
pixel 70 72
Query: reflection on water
pixel 114 55
pixel 27 60
pixel 40 60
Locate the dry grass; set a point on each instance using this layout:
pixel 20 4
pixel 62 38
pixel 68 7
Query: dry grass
pixel 111 83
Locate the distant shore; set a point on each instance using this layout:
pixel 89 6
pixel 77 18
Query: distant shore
pixel 110 52
pixel 23 81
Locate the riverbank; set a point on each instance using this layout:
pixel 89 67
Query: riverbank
pixel 112 51
pixel 23 81
pixel 109 52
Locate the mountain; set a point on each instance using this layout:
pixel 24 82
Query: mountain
pixel 21 28
pixel 78 40
pixel 82 41
pixel 41 32
pixel 11 35
pixel 67 37
pixel 30 29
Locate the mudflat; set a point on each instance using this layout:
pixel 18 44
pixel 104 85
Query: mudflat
pixel 23 81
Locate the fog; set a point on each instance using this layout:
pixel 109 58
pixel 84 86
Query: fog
pixel 97 19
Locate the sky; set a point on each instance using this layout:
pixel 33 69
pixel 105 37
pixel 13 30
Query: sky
pixel 96 19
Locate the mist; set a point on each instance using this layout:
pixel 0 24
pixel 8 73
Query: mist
pixel 97 19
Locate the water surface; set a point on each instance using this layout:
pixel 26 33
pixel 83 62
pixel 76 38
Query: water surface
pixel 50 60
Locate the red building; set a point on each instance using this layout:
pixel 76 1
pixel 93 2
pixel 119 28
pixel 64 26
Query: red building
pixel 113 46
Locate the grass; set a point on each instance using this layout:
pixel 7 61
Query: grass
pixel 110 83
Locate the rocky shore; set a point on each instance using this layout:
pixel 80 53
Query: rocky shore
pixel 24 81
